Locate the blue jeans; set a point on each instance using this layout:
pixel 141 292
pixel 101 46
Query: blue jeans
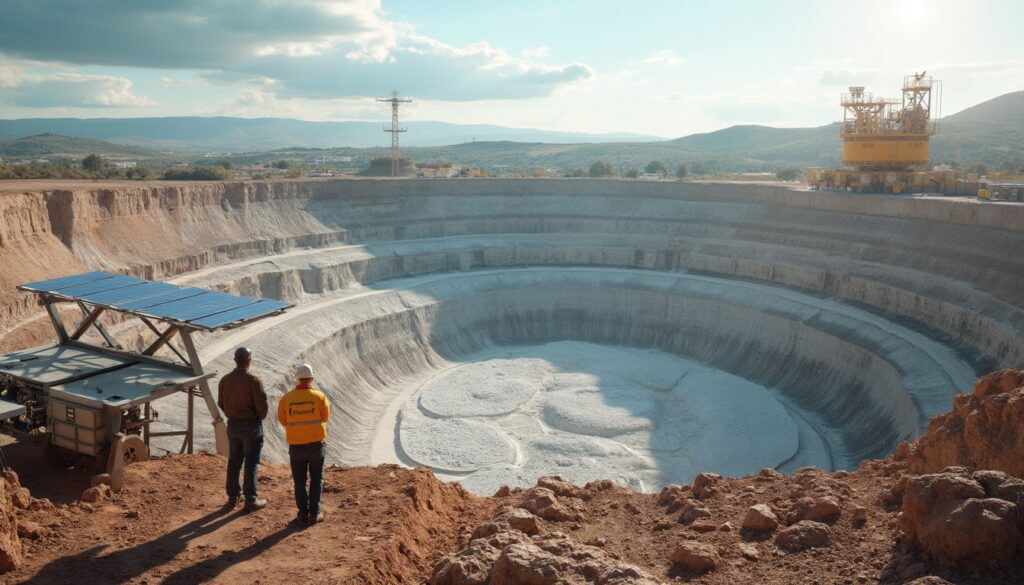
pixel 245 438
pixel 308 459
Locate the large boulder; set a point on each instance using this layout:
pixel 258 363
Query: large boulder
pixel 959 519
pixel 982 431
pixel 528 564
pixel 470 566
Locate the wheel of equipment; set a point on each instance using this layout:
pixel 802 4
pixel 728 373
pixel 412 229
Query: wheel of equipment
pixel 134 449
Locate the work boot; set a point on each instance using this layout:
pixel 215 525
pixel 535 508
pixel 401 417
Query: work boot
pixel 302 519
pixel 257 504
pixel 316 518
pixel 231 503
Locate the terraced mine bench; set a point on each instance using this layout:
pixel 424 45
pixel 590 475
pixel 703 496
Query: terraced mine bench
pixel 95 399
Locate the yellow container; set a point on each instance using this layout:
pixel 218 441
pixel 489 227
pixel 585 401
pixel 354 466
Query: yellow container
pixel 885 151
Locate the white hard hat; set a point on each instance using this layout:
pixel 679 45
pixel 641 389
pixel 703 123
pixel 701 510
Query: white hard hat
pixel 304 371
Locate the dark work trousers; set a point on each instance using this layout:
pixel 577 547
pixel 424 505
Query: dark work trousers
pixel 308 459
pixel 245 438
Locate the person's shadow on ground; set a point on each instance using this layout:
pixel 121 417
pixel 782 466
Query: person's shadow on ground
pixel 126 564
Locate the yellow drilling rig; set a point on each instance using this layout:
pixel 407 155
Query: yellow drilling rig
pixel 885 144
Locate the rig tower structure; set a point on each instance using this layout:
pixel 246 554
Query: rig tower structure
pixel 395 129
pixel 881 134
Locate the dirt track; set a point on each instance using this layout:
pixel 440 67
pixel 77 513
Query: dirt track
pixel 384 525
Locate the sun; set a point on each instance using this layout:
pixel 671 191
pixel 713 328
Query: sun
pixel 911 11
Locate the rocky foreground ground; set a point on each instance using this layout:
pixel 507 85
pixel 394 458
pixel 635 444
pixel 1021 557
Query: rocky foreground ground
pixel 945 509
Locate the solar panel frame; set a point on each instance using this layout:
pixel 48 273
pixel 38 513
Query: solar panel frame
pixel 197 308
pixel 55 284
pixel 260 309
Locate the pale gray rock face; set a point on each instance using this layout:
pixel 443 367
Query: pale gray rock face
pixel 502 331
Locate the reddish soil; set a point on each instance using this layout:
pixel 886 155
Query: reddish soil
pixel 383 525
pixel 636 529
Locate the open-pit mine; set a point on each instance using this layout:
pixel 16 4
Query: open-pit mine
pixel 500 330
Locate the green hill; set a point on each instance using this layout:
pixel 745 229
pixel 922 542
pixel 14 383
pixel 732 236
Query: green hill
pixel 991 133
pixel 58 146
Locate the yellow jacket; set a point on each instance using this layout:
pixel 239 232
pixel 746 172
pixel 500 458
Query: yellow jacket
pixel 304 412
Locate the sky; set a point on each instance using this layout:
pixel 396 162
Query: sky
pixel 658 67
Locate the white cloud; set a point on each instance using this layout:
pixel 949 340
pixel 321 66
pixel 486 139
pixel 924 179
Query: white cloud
pixel 67 90
pixel 315 49
pixel 839 72
pixel 663 57
pixel 171 82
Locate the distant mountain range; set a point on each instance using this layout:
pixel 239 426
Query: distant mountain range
pixel 991 133
pixel 223 134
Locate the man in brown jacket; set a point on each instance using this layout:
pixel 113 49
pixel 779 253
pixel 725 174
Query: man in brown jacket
pixel 240 395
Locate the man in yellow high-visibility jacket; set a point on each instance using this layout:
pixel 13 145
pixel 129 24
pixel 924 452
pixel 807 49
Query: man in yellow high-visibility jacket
pixel 304 412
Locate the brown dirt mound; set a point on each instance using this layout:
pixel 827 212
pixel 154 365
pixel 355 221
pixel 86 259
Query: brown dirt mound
pixel 983 431
pixel 384 525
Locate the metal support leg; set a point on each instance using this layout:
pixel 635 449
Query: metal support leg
pixel 146 413
pixel 220 429
pixel 168 343
pixel 58 323
pixel 99 327
pixel 190 429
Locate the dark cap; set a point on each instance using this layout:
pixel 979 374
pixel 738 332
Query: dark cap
pixel 243 354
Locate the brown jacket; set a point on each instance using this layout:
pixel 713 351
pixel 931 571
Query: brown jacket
pixel 240 395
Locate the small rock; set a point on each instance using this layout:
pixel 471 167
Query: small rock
pixel 21 498
pixel 803 535
pixel 502 492
pixel 694 510
pixel 695 556
pixel 519 519
pixel 748 551
pixel 670 493
pixel 704 484
pixel 726 527
pixel 560 486
pixel 600 485
pixel 703 527
pixel 100 479
pixel 760 518
pixel 860 516
pixel 29 529
pixel 820 510
pixel 96 493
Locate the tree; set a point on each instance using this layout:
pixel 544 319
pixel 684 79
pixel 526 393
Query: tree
pixel 656 166
pixel 698 169
pixel 282 164
pixel 632 173
pixel 600 168
pixel 786 174
pixel 94 163
pixel 577 172
pixel 682 170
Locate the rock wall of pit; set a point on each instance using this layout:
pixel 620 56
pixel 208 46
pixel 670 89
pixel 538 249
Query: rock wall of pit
pixel 948 270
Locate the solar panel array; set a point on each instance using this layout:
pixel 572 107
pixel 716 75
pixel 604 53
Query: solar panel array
pixel 196 307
